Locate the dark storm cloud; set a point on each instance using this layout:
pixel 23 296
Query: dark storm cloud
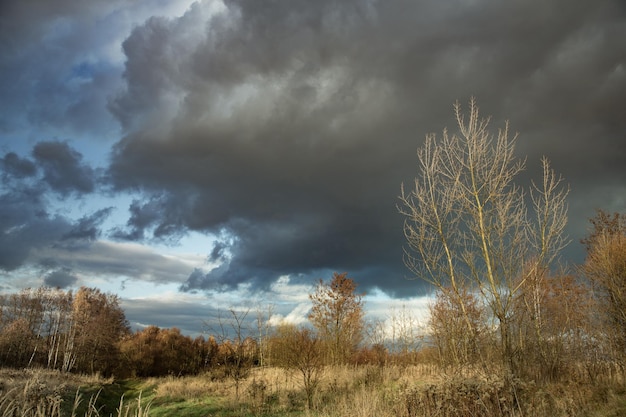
pixel 290 125
pixel 159 217
pixel 62 278
pixel 63 168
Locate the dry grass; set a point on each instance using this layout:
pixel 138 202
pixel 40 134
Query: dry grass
pixel 43 393
pixel 187 388
pixel 343 391
pixel 11 378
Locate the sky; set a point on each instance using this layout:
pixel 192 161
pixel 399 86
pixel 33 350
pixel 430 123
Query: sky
pixel 192 157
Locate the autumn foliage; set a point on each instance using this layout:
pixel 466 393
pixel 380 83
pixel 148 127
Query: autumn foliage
pixel 337 315
pixel 62 330
pixel 605 268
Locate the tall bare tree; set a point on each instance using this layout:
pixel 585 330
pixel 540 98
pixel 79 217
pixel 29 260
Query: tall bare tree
pixel 337 314
pixel 467 225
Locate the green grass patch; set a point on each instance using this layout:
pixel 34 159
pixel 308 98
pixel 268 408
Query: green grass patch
pixel 165 407
pixel 211 406
pixel 106 398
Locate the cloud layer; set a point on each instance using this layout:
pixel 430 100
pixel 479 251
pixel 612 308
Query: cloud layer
pixel 284 129
pixel 290 126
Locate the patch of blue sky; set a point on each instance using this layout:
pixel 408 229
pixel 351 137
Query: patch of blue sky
pixel 83 70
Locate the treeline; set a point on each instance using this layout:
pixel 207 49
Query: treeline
pixel 61 330
pixel 87 332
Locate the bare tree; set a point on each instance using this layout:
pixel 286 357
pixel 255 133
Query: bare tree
pixel 337 314
pixel 551 319
pixel 263 328
pixel 235 346
pixel 455 345
pixel 407 333
pixel 466 221
pixel 61 330
pixel 300 350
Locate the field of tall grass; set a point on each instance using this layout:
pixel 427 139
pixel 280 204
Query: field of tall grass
pixel 346 391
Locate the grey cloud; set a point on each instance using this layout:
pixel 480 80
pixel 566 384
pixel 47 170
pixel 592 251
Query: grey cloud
pixel 187 317
pixel 60 63
pixel 196 280
pixel 228 277
pixel 218 253
pixel 111 259
pixel 42 45
pixel 62 278
pixel 191 318
pixel 201 314
pixel 88 227
pixel 24 225
pixel 142 216
pixel 27 222
pixel 160 217
pixel 63 169
pixel 14 166
pixel 290 125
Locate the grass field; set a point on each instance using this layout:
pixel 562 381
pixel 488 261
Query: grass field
pixel 342 391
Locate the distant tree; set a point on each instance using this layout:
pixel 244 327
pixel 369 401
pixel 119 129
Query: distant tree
pixel 407 333
pixel 337 314
pixel 375 354
pixel 100 324
pixel 237 351
pixel 467 222
pixel 207 351
pixel 300 350
pixel 263 328
pixel 178 354
pixel 17 343
pixel 605 268
pixel 60 330
pixel 456 346
pixel 22 319
pixel 140 352
pixel 604 225
pixel 153 352
pixel 552 324
pixel 44 317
